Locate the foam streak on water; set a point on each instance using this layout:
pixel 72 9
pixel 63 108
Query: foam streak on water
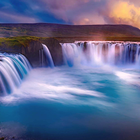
pixel 78 85
pixel 58 102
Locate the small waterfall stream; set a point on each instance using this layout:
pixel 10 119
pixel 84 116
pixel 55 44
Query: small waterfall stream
pixel 48 55
pixel 13 68
pixel 98 53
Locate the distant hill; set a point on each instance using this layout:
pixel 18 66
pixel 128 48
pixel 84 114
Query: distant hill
pixel 27 39
pixel 58 30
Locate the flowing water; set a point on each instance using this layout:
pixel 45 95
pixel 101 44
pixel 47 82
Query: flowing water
pixel 87 100
pixel 13 68
pixel 48 55
pixel 100 53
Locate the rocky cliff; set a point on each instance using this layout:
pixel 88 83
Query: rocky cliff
pixel 30 47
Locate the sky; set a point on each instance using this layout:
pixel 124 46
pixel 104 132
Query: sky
pixel 75 12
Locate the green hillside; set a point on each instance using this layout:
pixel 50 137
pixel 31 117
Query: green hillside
pixel 69 32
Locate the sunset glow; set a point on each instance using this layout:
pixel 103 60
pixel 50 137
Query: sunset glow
pixel 124 12
pixel 77 12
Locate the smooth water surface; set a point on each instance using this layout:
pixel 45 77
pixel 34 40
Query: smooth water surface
pixel 74 103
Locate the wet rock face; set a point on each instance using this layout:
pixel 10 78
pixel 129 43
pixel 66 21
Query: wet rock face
pixel 105 51
pixel 117 53
pixel 8 49
pixel 85 46
pixel 32 53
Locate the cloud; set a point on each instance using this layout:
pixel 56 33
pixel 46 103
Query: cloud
pixel 124 12
pixel 71 11
pixel 16 12
pixel 64 4
pixel 75 11
pixel 89 19
pixel 63 8
pixel 96 11
pixel 17 18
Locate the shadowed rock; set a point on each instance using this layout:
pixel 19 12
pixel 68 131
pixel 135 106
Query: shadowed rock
pixel 31 47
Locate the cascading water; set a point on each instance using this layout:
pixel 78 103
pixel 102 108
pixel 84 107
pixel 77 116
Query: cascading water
pixel 48 55
pixel 13 68
pixel 96 102
pixel 97 53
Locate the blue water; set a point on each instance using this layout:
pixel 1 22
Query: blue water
pixel 74 103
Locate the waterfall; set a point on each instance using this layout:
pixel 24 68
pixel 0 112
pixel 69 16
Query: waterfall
pixel 13 68
pixel 138 56
pixel 99 53
pixel 48 55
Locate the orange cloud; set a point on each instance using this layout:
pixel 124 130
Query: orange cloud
pixel 123 12
pixel 94 11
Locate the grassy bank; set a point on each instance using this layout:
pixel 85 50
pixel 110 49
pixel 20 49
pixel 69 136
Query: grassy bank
pixel 18 41
pixel 25 40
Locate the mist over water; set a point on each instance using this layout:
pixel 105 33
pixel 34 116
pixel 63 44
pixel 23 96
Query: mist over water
pixel 83 101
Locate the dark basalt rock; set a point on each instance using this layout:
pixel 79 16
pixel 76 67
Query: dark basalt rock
pixel 31 51
pixel 85 46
